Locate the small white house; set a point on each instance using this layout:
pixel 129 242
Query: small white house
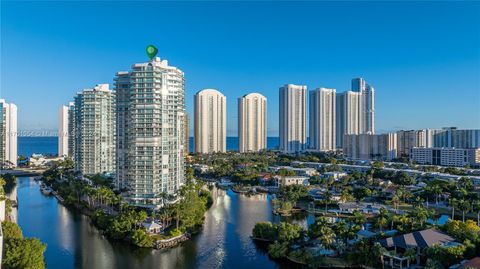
pixel 292 180
pixel 152 227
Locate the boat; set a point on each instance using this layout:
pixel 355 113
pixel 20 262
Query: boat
pixel 45 189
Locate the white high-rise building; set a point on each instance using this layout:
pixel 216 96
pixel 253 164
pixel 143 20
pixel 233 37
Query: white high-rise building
pixel 322 119
pixel 94 130
pixel 370 147
pixel 8 134
pixel 252 122
pixel 446 156
pixel 348 110
pixel 210 121
pixel 150 132
pixel 63 130
pixel 293 118
pixel 367 111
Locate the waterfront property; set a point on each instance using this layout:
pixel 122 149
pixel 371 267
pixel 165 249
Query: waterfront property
pixel 418 241
pixel 93 130
pixel 150 132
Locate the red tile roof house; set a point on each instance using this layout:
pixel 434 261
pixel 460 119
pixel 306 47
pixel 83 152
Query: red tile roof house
pixel 418 240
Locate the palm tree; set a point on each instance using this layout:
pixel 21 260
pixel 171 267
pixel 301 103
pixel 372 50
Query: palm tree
pixel 327 236
pixel 381 220
pixel 345 196
pixel 395 201
pixel 327 197
pixel 342 230
pixel 436 191
pixel 463 205
pixel 404 221
pixel 358 218
pixel 453 203
pixel 476 205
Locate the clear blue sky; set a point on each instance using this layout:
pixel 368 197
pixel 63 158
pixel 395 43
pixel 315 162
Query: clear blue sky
pixel 423 58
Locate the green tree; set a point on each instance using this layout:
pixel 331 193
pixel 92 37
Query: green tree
pixel 265 230
pixel 142 239
pixel 11 230
pixel 289 232
pixel 292 193
pixel 278 249
pixel 24 254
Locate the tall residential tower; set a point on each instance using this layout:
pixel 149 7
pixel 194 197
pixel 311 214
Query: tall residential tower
pixel 252 122
pixel 150 132
pixel 210 121
pixel 8 134
pixel 293 119
pixel 322 119
pixel 367 111
pixel 94 130
pixel 63 130
pixel 348 109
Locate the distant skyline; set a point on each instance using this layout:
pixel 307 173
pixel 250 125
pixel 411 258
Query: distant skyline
pixel 423 58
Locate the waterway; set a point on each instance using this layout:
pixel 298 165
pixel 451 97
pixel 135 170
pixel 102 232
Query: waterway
pixel 73 242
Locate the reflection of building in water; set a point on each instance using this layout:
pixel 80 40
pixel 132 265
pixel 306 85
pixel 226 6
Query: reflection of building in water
pixel 64 225
pixel 12 195
pixel 257 208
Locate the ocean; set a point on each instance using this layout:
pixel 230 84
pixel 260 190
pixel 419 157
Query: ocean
pixel 49 145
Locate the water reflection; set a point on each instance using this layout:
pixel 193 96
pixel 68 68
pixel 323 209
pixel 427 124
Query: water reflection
pixel 73 242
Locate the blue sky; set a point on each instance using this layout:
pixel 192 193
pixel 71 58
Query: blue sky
pixel 423 58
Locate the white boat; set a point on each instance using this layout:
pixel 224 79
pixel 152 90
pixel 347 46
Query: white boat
pixel 46 190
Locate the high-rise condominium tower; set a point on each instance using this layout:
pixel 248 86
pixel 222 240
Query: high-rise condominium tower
pixel 409 139
pixel 367 112
pixel 63 130
pixel 94 130
pixel 348 109
pixel 252 122
pixel 186 134
pixel 322 119
pixel 8 134
pixel 210 121
pixel 150 132
pixel 292 113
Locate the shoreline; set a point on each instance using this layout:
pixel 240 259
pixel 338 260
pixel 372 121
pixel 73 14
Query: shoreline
pixel 158 244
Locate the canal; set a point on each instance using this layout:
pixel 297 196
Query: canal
pixel 73 242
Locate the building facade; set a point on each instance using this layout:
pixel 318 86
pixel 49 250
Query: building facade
pixel 457 138
pixel 367 111
pixel 446 156
pixel 348 110
pixel 8 134
pixel 323 119
pixel 210 121
pixel 292 118
pixel 150 132
pixel 370 147
pixel 63 130
pixel 406 140
pixel 252 123
pixel 186 143
pixel 94 130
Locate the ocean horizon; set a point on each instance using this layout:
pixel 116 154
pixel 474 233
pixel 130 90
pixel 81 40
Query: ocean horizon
pixel 28 145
